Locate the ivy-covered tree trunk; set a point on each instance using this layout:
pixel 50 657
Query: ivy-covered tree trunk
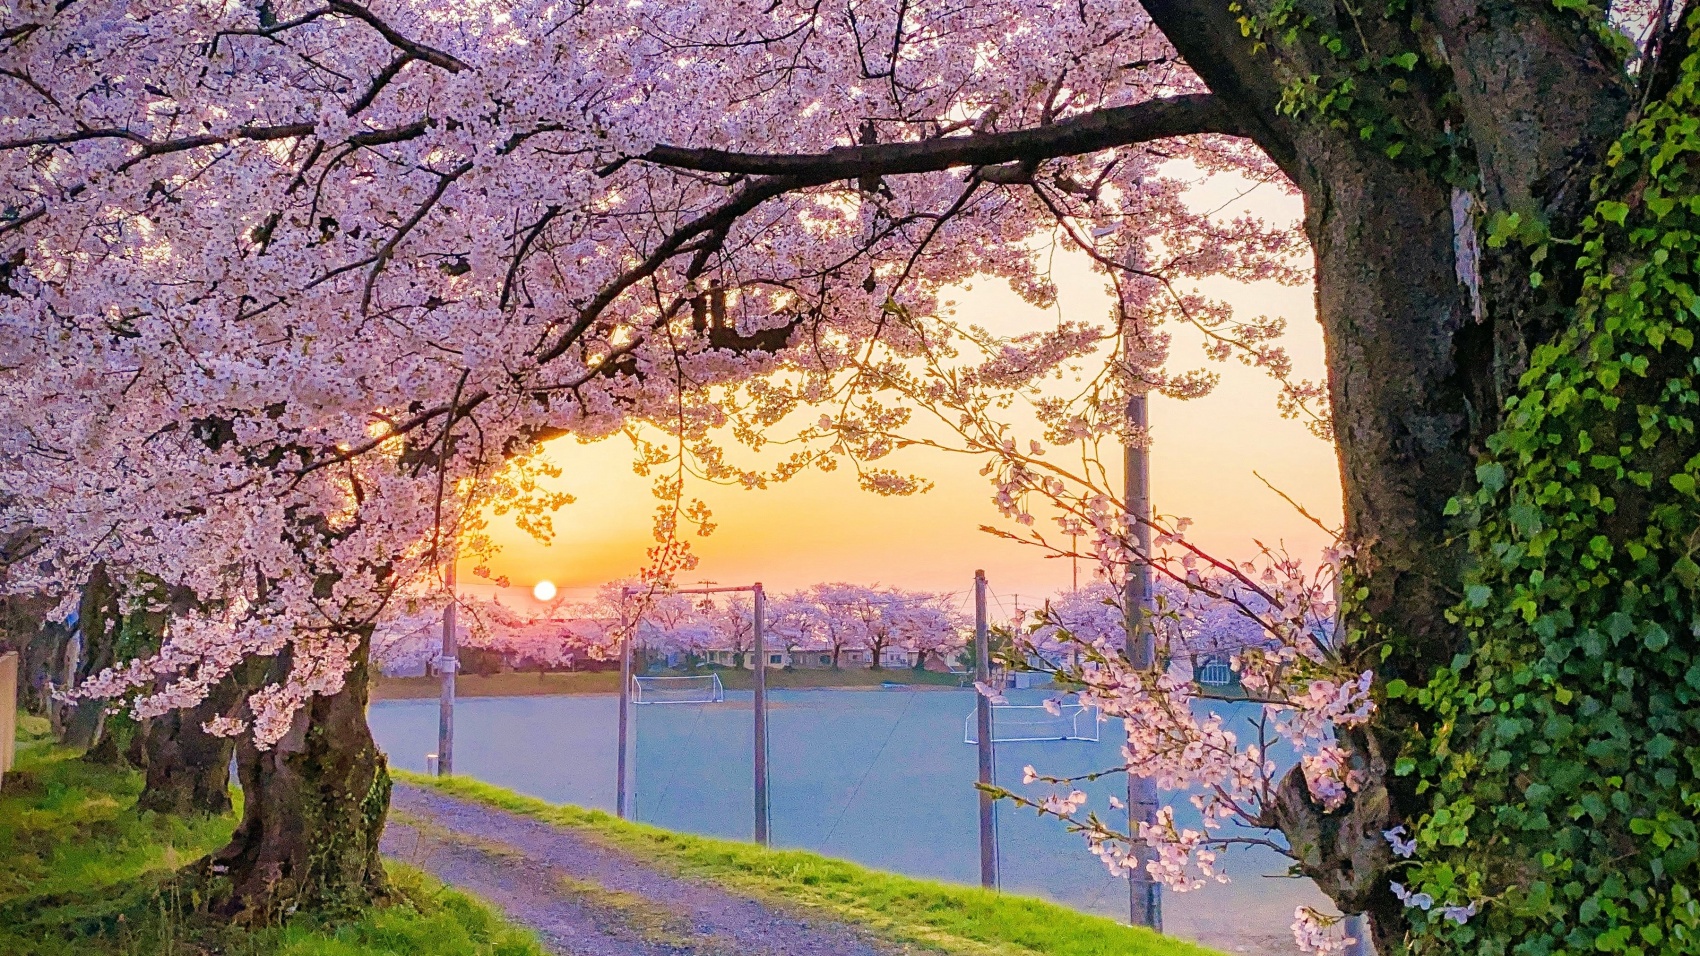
pixel 313 810
pixel 1422 138
pixel 1563 750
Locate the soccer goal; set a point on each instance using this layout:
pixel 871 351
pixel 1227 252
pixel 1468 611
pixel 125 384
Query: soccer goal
pixel 1020 723
pixel 704 689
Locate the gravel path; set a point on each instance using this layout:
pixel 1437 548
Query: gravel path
pixel 585 899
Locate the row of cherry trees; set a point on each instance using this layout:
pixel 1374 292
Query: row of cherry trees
pixel 826 619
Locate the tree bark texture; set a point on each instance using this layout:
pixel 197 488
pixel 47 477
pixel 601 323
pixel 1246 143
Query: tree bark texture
pixel 41 645
pixel 1426 330
pixel 100 619
pixel 188 769
pixel 314 806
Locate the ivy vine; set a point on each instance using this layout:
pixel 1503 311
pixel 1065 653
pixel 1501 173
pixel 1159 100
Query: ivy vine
pixel 1562 750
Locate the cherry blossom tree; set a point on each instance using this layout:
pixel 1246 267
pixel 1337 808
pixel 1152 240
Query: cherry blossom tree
pixel 292 293
pixel 840 627
pixel 734 622
pixel 930 627
pixel 800 625
pixel 557 635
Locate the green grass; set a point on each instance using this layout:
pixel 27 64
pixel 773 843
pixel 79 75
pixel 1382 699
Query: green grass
pixel 521 684
pixel 951 919
pixel 83 873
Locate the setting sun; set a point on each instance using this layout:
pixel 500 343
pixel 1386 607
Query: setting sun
pixel 544 591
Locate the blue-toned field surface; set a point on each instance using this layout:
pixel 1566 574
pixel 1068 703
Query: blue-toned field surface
pixel 881 777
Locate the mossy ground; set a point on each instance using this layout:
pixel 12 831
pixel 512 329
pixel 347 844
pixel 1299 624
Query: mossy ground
pixel 83 873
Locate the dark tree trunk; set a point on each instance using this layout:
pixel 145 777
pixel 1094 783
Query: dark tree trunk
pixel 119 742
pixel 313 810
pixel 1426 329
pixel 100 620
pixel 41 646
pixel 188 769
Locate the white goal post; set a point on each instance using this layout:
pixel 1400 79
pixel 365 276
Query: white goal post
pixel 703 689
pixel 1022 723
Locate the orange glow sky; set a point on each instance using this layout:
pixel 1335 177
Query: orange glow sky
pixel 822 527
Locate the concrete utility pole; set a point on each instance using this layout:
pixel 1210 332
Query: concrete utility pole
pixel 1145 900
pixel 983 725
pixel 626 628
pixel 760 612
pixel 447 664
pixel 1074 561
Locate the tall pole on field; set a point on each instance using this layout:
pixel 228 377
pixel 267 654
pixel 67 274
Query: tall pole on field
pixel 1074 561
pixel 1145 901
pixel 447 664
pixel 983 726
pixel 626 629
pixel 761 715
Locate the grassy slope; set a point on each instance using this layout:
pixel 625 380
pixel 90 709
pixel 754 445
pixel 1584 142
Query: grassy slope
pixel 953 919
pixel 608 682
pixel 83 874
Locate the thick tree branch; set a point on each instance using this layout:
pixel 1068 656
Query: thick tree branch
pixel 1098 130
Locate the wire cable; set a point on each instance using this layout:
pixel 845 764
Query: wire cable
pixel 870 768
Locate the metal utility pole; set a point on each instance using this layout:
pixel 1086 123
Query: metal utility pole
pixel 1074 561
pixel 626 628
pixel 760 714
pixel 1145 900
pixel 983 726
pixel 447 664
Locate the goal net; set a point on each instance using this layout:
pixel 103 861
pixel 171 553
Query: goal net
pixel 704 689
pixel 1016 723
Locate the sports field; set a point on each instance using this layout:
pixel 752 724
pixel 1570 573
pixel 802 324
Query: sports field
pixel 881 777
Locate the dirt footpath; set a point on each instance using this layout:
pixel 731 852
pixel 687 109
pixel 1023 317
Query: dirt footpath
pixel 585 899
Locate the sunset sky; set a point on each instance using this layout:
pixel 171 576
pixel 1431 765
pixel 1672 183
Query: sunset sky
pixel 822 527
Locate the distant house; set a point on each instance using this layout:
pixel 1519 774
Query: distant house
pixel 890 657
pixel 801 658
pixel 815 659
pixel 727 657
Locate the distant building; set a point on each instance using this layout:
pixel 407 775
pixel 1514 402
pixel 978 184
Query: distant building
pixel 890 657
pixel 800 658
pixel 1214 670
